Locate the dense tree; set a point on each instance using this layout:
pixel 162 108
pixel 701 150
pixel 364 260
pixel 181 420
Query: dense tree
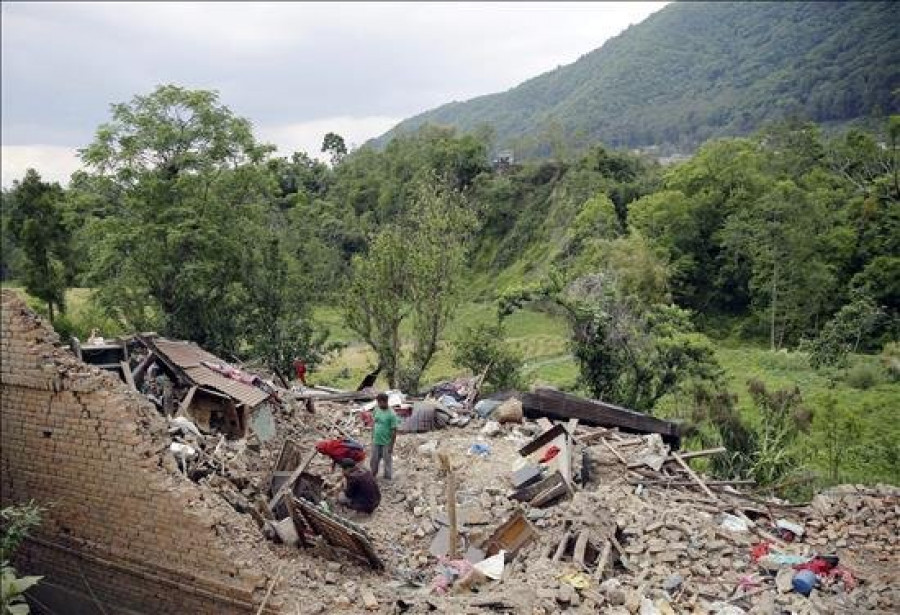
pixel 34 218
pixel 172 253
pixel 333 145
pixel 411 275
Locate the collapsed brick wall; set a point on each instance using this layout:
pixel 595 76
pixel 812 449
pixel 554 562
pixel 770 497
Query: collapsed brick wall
pixel 119 528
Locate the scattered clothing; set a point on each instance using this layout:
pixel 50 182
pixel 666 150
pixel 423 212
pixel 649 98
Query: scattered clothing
pixel 340 449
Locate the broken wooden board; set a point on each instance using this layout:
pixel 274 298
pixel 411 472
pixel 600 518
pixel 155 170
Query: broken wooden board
pixel 546 402
pixel 512 535
pixel 339 532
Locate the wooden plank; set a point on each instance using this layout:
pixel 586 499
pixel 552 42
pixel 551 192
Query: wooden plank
pixel 694 476
pixel 703 453
pixel 126 372
pixel 347 396
pixel 186 402
pixel 561 547
pixel 453 540
pixel 614 451
pixel 556 404
pixel 601 562
pixel 580 548
pixel 288 487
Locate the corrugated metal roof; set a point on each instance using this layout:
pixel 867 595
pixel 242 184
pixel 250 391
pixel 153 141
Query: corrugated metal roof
pixel 244 393
pixel 189 356
pixel 184 354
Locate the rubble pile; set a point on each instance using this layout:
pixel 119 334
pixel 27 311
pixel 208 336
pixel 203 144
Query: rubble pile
pixel 596 512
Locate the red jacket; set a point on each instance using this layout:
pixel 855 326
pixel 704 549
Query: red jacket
pixel 345 448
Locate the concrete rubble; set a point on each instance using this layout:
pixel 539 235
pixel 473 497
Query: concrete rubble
pixel 585 518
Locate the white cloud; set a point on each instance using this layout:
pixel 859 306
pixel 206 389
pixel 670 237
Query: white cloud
pixel 296 69
pixel 53 162
pixel 308 136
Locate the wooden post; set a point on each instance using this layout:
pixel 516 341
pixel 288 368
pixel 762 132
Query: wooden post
pixel 453 539
pixel 601 563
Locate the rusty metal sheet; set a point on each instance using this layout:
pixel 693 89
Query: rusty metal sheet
pixel 243 393
pixel 184 354
pixel 338 532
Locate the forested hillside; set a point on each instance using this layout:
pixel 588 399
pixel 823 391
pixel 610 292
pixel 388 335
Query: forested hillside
pixel 694 71
pixel 636 275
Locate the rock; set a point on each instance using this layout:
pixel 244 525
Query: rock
pixel 545 593
pixel 331 578
pixel 648 608
pixel 616 596
pixel 566 594
pixel 334 566
pixel 783 580
pixel 673 582
pixel 369 600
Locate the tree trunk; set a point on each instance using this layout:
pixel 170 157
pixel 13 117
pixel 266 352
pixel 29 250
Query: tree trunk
pixel 774 302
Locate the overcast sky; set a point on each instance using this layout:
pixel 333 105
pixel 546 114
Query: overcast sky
pixel 295 70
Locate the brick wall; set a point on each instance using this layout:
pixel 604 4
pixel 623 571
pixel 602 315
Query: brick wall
pixel 120 528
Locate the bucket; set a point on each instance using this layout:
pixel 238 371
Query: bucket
pixel 804 581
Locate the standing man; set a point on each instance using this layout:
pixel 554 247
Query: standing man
pixel 384 433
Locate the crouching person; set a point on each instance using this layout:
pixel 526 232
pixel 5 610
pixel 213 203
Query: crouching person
pixel 361 492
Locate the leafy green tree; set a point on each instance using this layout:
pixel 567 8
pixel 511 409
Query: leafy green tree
pixel 333 144
pixel 483 347
pixel 779 236
pixel 411 274
pixel 627 353
pixel 193 190
pixel 36 221
pixel 844 332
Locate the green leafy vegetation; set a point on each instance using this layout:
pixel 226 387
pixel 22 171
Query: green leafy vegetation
pixel 614 277
pixel 694 71
pixel 15 524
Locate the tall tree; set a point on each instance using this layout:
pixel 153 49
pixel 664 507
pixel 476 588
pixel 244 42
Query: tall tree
pixel 333 144
pixel 36 221
pixel 411 275
pixel 192 187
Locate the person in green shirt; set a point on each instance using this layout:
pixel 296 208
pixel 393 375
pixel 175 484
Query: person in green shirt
pixel 384 433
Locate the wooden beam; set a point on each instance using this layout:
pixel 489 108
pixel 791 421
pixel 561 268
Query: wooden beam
pixel 558 405
pixel 601 562
pixel 561 547
pixel 126 372
pixel 450 478
pixel 186 401
pixel 614 451
pixel 694 476
pixel 580 548
pixel 288 486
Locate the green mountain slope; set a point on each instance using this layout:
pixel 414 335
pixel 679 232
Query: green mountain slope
pixel 698 70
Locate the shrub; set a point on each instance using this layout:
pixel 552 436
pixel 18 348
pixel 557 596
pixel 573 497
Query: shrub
pixel 863 376
pixel 483 346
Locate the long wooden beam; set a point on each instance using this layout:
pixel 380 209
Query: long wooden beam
pixel 559 405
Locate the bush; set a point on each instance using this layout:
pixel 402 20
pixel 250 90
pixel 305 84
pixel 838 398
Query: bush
pixel 863 376
pixel 15 523
pixel 483 346
pixel 890 360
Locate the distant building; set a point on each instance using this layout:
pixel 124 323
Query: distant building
pixel 503 160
